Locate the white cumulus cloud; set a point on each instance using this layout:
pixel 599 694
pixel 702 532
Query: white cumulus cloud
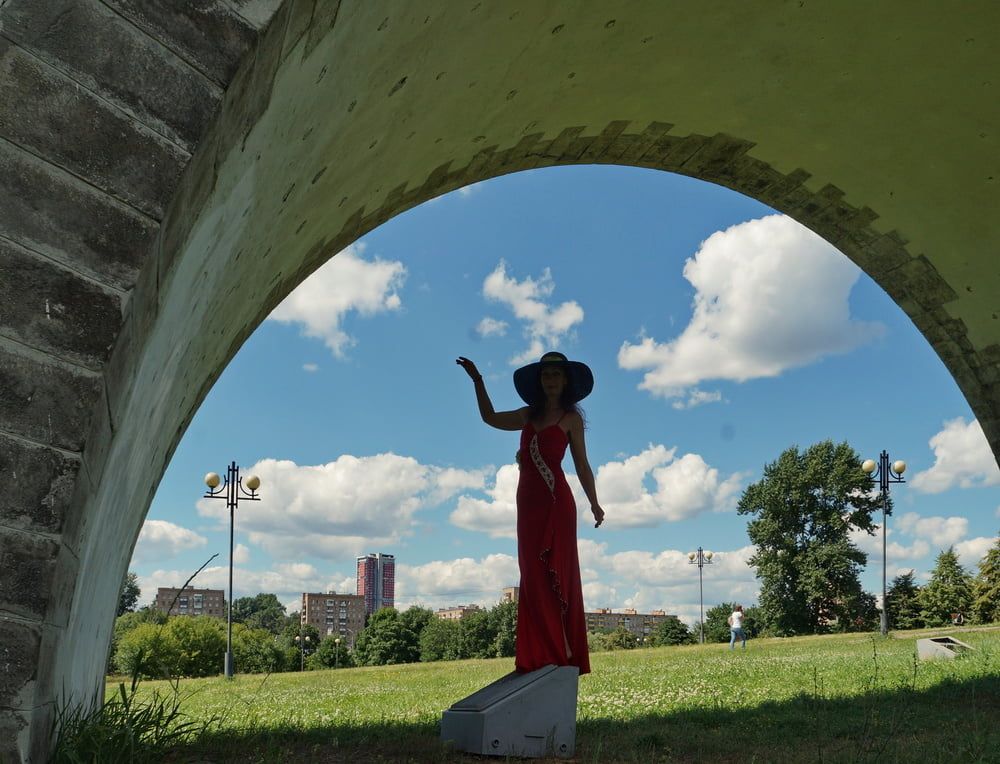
pixel 971 551
pixel 160 540
pixel 340 509
pixel 545 326
pixel 491 327
pixel 770 296
pixel 682 488
pixel 962 457
pixel 444 583
pixel 347 282
pixel 496 515
pixel 940 531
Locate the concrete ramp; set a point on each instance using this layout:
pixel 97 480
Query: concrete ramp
pixel 527 715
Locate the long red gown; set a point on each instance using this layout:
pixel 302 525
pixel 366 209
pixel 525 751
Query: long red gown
pixel 550 601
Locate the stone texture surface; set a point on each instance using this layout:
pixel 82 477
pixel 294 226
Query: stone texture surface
pixel 46 210
pixel 45 480
pixel 53 309
pixel 105 52
pixel 118 154
pixel 19 644
pixel 209 36
pixel 45 401
pixel 27 567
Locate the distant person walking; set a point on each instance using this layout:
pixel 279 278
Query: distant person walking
pixel 736 628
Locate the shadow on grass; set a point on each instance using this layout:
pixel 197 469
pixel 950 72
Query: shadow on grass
pixel 955 721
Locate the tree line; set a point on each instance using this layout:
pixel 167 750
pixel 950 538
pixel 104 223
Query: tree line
pixel 802 514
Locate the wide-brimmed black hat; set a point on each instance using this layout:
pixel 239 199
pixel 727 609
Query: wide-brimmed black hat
pixel 579 377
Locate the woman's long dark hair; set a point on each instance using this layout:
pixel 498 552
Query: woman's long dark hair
pixel 536 411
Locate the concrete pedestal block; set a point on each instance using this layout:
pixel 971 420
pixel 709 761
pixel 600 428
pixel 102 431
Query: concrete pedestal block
pixel 941 647
pixel 528 715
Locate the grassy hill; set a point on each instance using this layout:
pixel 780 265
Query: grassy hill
pixel 808 699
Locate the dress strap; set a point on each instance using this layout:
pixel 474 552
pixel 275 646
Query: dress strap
pixel 561 418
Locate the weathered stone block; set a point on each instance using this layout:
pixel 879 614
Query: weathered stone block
pixel 108 54
pixel 73 128
pixel 27 564
pixel 19 644
pixel 45 401
pixel 209 36
pixel 45 480
pixel 49 211
pixel 11 725
pixel 54 309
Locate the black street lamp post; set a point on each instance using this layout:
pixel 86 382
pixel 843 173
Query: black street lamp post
pixel 303 643
pixel 232 490
pixel 701 558
pixel 886 473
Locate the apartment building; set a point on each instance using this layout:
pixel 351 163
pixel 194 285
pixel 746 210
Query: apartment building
pixel 334 614
pixel 457 613
pixel 377 581
pixel 640 624
pixel 191 601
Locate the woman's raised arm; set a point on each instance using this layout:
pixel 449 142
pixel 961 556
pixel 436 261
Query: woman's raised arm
pixel 502 420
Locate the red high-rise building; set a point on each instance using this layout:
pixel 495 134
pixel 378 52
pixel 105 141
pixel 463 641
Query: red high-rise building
pixel 377 581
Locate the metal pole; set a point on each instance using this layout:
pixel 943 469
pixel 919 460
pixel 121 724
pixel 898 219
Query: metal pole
pixel 884 623
pixel 701 598
pixel 233 483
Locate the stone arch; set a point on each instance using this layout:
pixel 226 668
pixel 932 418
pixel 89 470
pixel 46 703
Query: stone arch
pixel 345 114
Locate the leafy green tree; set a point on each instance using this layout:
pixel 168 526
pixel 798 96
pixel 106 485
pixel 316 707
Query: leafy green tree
pixel 129 595
pixel 478 636
pixel 903 603
pixel 331 654
pixel 147 651
pixel 201 642
pixel 187 646
pixel 256 651
pixel 986 587
pixel 385 640
pixel 672 631
pixel 619 639
pixel 440 641
pixel 416 618
pixel 262 611
pixel 503 616
pixel 126 623
pixel 803 510
pixel 949 591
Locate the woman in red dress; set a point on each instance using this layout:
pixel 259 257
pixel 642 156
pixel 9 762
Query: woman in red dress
pixel 551 628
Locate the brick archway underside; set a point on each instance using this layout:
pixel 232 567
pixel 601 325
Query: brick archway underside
pixel 151 155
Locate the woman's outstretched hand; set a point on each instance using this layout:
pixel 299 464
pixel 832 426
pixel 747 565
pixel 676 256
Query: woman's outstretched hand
pixel 598 514
pixel 470 367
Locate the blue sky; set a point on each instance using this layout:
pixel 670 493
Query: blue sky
pixel 719 333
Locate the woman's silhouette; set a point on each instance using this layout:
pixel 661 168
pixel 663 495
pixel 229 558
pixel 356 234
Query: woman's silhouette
pixel 551 628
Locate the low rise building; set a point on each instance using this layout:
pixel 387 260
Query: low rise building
pixel 191 601
pixel 510 593
pixel 640 624
pixel 457 613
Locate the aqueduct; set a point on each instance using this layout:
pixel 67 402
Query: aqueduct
pixel 153 153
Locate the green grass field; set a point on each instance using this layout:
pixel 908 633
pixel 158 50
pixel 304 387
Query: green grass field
pixel 811 699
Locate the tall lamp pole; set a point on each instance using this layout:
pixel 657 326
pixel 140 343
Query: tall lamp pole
pixel 701 558
pixel 231 489
pixel 886 473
